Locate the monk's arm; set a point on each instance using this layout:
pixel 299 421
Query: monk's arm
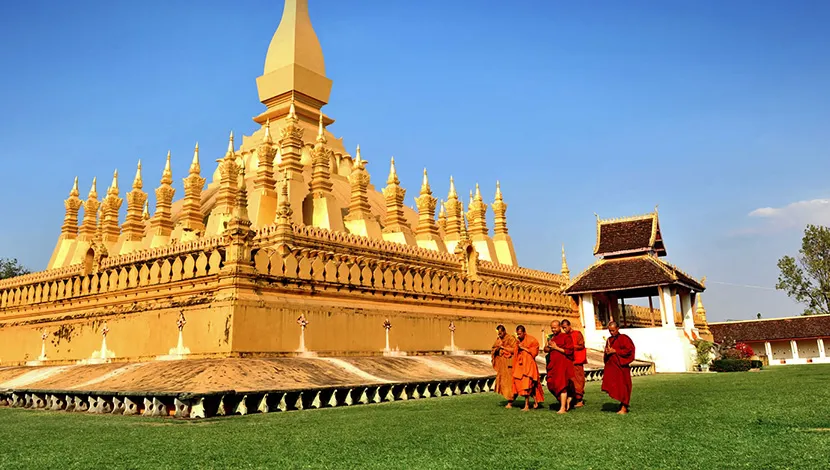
pixel 624 348
pixel 568 348
pixel 579 345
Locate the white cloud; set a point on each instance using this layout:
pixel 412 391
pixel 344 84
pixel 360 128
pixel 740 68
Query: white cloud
pixel 798 214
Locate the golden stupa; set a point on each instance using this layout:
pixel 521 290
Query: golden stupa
pixel 289 225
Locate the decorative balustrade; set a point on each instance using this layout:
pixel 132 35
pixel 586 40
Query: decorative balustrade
pixel 168 266
pixel 369 273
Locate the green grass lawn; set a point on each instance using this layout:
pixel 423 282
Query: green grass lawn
pixel 776 418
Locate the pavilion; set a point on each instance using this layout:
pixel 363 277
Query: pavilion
pixel 629 266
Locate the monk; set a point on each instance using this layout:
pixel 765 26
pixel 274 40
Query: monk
pixel 616 379
pixel 502 358
pixel 560 366
pixel 580 359
pixel 525 371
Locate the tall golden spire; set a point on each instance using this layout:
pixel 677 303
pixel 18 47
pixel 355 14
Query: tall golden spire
pixel 502 242
pixel 294 64
pixel 72 204
pixel 90 222
pixel 320 164
pixel 133 228
pixel 228 180
pixel 477 214
pixel 238 252
pixel 264 180
pixel 359 180
pixel 427 231
pixel 360 220
pixel 442 216
pixel 291 166
pixel 565 271
pixel 191 219
pixel 395 195
pixel 109 209
pixel 499 213
pixel 454 209
pixel 161 225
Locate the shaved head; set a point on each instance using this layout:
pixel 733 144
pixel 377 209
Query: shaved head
pixel 613 328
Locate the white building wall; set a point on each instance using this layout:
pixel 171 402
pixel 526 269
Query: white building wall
pixel 667 347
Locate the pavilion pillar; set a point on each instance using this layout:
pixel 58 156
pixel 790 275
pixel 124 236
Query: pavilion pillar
pixel 686 307
pixel 589 321
pixel 821 352
pixel 768 349
pixel 794 347
pixel 666 306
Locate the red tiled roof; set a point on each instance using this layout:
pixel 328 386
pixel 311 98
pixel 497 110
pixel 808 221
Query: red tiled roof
pixel 629 273
pixel 630 235
pixel 808 326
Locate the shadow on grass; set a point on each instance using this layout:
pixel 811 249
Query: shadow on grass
pixel 610 407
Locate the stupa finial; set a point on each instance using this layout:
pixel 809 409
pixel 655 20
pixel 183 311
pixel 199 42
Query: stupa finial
pixel 230 145
pixel 138 183
pixel 146 214
pixel 167 174
pixel 195 167
pixel 393 174
pixel 425 189
pixel 74 191
pixel 93 191
pixel 452 194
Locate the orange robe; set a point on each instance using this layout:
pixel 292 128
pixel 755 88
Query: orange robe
pixel 526 371
pixel 580 359
pixel 560 365
pixel 616 378
pixel 502 358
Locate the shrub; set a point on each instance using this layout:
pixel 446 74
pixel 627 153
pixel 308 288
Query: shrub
pixel 704 351
pixel 731 365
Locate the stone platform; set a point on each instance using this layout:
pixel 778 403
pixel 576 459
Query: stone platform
pixel 201 388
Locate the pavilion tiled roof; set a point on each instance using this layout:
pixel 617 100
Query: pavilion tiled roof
pixel 630 235
pixel 774 329
pixel 633 272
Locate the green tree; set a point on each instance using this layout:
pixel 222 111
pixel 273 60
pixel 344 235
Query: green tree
pixel 806 278
pixel 11 267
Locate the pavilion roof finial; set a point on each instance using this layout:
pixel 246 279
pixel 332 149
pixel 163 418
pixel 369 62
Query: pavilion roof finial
pixel 565 271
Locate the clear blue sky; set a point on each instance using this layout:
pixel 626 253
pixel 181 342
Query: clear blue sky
pixel 710 109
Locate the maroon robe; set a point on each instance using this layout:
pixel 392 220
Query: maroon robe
pixel 616 378
pixel 561 365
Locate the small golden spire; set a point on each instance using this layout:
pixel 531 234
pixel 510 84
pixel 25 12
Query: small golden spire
pixel 146 214
pixel 93 192
pixel 565 271
pixel 393 175
pixel 452 194
pixel 321 134
pixel 74 191
pixel 167 174
pixel 267 137
pixel 471 199
pixel 138 183
pixel 357 154
pixel 195 168
pixel 478 193
pixel 498 192
pixel 425 189
pixel 114 186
